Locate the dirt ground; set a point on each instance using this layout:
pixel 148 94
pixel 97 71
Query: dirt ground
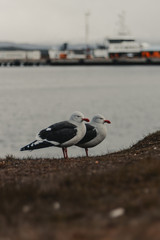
pixel 111 197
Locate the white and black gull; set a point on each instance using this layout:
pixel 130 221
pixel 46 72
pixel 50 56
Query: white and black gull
pixel 62 134
pixel 96 132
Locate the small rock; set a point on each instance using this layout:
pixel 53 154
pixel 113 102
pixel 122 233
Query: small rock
pixel 118 212
pixel 56 205
pixel 146 190
pixel 2 163
pixel 26 209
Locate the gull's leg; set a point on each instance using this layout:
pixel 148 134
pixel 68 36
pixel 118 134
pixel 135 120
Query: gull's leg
pixel 86 150
pixel 64 152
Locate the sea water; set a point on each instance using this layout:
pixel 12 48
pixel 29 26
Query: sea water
pixel 32 98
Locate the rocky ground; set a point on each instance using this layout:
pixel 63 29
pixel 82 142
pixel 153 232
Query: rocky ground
pixel 111 197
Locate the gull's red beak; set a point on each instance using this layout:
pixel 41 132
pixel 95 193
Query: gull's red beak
pixel 85 119
pixel 107 121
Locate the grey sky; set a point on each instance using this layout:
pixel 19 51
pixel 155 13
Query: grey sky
pixel 51 21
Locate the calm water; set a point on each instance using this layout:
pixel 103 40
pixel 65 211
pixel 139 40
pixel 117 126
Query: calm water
pixel 34 98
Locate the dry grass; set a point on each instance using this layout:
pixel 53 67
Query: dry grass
pixel 72 199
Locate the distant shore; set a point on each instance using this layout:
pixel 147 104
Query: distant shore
pixel 111 197
pixel 83 62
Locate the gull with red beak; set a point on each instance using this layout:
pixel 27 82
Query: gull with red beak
pixel 62 134
pixel 96 132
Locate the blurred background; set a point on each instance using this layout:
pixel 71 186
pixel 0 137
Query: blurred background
pixel 92 56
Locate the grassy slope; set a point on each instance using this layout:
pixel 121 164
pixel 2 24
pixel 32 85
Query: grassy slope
pixel 72 199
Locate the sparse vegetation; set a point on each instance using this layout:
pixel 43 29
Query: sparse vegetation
pixel 72 199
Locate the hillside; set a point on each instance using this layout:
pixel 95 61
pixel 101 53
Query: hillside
pixel 111 197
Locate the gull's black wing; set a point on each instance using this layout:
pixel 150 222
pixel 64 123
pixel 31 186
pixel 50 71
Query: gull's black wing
pixel 59 132
pixel 91 133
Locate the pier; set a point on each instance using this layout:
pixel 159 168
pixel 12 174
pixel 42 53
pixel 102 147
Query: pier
pixel 80 62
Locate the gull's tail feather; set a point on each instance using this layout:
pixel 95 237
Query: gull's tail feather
pixel 36 145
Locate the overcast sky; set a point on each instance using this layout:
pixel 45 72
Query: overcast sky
pixel 53 21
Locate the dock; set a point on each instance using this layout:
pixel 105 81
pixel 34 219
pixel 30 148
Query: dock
pixel 80 62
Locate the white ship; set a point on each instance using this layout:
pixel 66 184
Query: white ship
pixel 124 45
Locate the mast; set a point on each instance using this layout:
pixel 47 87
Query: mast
pixel 122 27
pixel 87 14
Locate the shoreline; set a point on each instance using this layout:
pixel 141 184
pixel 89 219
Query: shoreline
pixel 84 62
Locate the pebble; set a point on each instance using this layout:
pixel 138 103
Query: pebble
pixel 56 205
pixel 118 212
pixel 26 209
pixel 146 190
pixel 2 163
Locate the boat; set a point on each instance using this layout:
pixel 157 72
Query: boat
pixel 122 44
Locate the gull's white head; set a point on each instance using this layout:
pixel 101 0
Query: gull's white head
pixel 100 119
pixel 78 117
